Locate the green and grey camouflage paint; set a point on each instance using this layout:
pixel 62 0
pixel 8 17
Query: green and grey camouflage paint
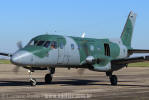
pixel 76 50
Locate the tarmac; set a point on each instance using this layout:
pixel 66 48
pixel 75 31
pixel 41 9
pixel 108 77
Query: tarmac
pixel 133 84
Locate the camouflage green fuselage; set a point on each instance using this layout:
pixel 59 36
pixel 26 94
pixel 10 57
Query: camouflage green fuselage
pixel 65 51
pixel 73 51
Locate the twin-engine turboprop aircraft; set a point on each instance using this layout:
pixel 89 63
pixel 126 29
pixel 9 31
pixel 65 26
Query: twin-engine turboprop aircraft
pixel 47 52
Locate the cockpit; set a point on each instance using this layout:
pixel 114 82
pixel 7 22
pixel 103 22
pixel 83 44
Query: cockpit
pixel 43 43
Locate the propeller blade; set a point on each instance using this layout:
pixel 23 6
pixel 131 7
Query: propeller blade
pixel 19 45
pixel 81 71
pixel 16 69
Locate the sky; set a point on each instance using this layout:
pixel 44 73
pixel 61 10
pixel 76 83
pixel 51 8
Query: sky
pixel 21 20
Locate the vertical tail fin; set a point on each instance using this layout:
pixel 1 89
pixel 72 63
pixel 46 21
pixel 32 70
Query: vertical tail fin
pixel 126 36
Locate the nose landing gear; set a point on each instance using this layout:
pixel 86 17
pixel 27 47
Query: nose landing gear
pixel 33 81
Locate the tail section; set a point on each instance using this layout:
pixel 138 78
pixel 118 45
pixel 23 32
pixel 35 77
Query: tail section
pixel 126 36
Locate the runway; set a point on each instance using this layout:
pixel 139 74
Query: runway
pixel 68 84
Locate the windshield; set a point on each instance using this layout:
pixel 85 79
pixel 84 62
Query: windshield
pixel 33 42
pixel 46 44
pixel 40 43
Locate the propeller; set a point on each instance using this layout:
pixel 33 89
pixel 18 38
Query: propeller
pixel 20 46
pixel 16 69
pixel 81 71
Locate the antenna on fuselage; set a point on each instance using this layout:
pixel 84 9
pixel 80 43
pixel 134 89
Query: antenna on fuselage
pixel 46 33
pixel 83 35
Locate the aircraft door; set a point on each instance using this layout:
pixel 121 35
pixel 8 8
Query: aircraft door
pixel 107 49
pixel 61 52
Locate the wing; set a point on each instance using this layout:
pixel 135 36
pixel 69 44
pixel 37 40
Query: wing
pixel 116 64
pixel 5 54
pixel 130 60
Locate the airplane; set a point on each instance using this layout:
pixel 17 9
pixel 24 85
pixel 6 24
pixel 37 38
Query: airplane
pixel 47 52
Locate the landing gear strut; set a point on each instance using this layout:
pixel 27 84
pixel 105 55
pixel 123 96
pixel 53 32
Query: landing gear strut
pixel 49 76
pixel 33 81
pixel 113 78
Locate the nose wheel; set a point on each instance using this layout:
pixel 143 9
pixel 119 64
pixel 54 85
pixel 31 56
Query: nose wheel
pixel 33 81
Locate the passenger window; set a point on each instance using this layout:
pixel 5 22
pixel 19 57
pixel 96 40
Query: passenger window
pixel 40 43
pixel 72 46
pixel 47 44
pixel 53 45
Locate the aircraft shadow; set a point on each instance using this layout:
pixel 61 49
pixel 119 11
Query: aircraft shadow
pixel 92 82
pixel 68 82
pixel 62 82
pixel 75 82
pixel 14 83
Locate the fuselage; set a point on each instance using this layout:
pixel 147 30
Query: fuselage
pixel 67 51
pixel 46 52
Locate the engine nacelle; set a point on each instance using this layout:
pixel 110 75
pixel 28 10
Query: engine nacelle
pixel 90 59
pixel 100 68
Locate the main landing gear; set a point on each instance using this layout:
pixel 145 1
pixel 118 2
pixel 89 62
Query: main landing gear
pixel 49 76
pixel 113 78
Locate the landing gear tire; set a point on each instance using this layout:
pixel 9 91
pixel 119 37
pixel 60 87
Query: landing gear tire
pixel 113 80
pixel 48 78
pixel 33 82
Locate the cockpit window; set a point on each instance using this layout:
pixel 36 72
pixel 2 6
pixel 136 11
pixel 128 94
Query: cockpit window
pixel 33 42
pixel 53 45
pixel 40 43
pixel 47 44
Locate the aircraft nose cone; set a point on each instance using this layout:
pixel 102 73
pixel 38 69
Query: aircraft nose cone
pixel 21 58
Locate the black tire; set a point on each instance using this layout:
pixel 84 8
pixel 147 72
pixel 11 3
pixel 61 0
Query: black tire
pixel 113 80
pixel 52 71
pixel 48 78
pixel 33 82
